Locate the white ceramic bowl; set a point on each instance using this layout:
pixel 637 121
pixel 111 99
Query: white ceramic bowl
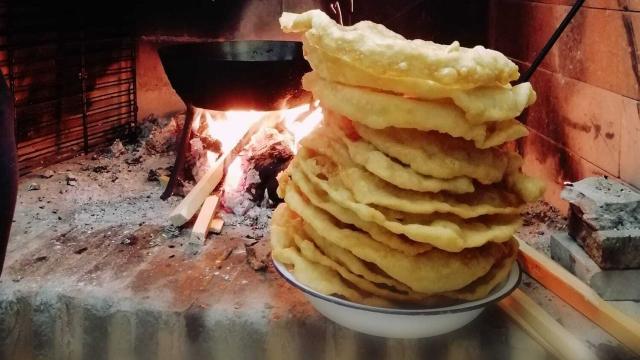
pixel 401 323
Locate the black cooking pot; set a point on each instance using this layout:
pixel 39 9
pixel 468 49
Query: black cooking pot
pixel 8 167
pixel 226 75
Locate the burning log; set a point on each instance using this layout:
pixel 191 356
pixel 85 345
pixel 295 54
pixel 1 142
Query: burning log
pixel 268 153
pixel 269 158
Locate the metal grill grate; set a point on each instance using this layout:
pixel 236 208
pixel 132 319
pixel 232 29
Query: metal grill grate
pixel 72 73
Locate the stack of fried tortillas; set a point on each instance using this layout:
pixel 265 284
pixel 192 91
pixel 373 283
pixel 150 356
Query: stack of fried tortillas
pixel 404 195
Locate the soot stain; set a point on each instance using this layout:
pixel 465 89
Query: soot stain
pixel 548 127
pixel 631 41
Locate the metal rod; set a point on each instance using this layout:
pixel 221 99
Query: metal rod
pixel 83 79
pixel 8 167
pixel 552 40
pixel 180 152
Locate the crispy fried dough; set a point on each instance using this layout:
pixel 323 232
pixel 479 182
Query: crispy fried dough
pixel 381 110
pixel 323 279
pixel 482 104
pixel 360 186
pixel 366 188
pixel 438 155
pixel 321 200
pixel 289 228
pixel 528 188
pixel 378 50
pixel 445 232
pixel 381 165
pixel 432 272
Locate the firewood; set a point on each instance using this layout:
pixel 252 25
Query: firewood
pixel 201 227
pixel 543 328
pixel 216 224
pixel 580 296
pixel 192 202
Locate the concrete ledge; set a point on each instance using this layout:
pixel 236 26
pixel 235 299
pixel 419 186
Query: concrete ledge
pixel 609 284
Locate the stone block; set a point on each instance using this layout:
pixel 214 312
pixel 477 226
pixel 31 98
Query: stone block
pixel 610 249
pixel 604 203
pixel 604 218
pixel 609 284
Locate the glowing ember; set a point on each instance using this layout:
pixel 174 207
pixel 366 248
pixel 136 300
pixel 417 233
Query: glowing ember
pixel 234 175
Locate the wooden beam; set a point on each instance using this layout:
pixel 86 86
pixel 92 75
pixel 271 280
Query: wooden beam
pixel 201 227
pixel 580 296
pixel 216 224
pixel 543 328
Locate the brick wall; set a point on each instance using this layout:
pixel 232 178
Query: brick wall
pixel 586 120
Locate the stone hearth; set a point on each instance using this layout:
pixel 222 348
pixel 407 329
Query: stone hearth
pixel 94 272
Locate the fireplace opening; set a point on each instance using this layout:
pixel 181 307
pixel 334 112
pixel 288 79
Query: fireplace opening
pixel 201 101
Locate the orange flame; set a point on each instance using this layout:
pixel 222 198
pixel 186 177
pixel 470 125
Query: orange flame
pixel 230 126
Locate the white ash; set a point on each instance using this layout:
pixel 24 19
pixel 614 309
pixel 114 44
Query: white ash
pixel 236 198
pixel 257 218
pixel 117 149
pixel 160 134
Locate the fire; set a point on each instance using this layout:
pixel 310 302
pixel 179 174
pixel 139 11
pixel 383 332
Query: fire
pixel 234 175
pixel 301 120
pixel 230 126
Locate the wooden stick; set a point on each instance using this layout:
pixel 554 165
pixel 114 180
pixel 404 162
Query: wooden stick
pixel 216 224
pixel 580 296
pixel 201 227
pixel 543 328
pixel 192 202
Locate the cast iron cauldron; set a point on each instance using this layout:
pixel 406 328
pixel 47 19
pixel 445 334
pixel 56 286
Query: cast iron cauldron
pixel 224 75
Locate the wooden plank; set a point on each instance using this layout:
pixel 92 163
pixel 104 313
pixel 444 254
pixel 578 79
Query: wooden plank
pixel 543 328
pixel 216 224
pixel 528 328
pixel 201 227
pixel 580 296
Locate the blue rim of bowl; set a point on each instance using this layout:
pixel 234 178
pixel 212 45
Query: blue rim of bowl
pixel 473 305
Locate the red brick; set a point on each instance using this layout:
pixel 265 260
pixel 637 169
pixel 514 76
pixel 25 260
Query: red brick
pixel 599 47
